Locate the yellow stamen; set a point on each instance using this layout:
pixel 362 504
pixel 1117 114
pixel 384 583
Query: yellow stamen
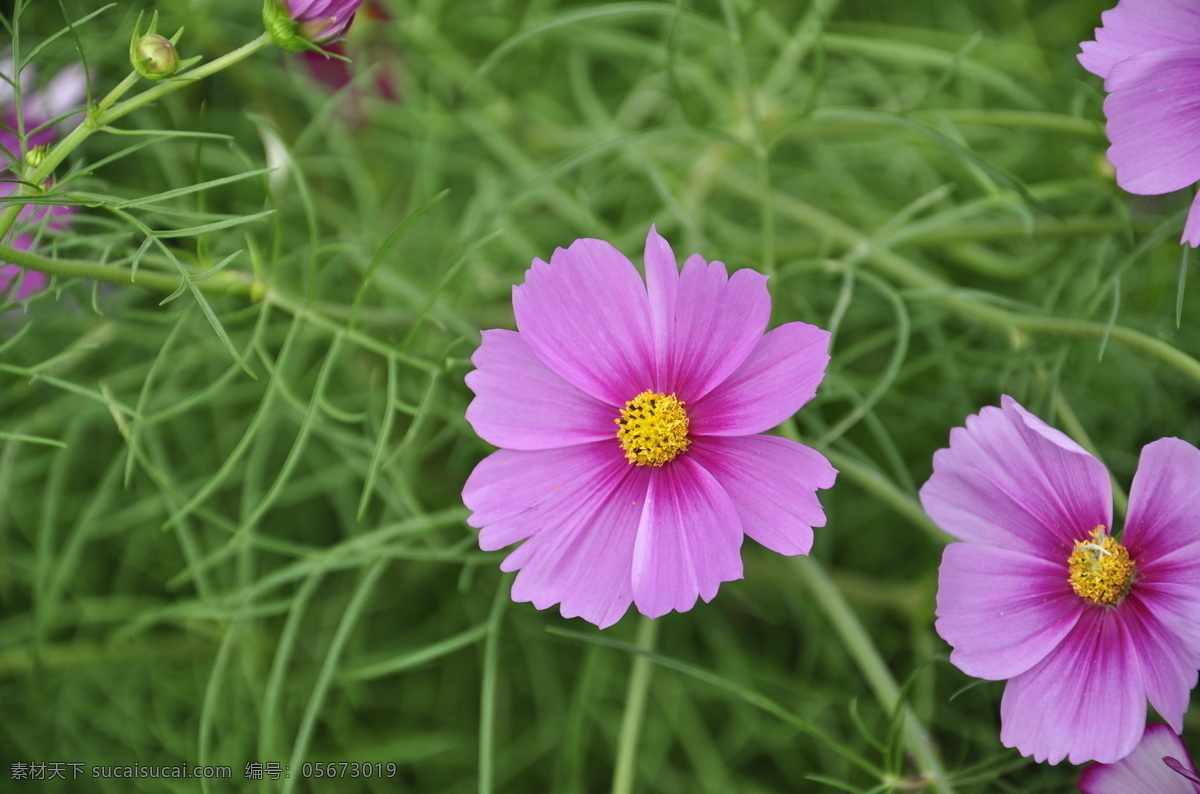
pixel 653 429
pixel 1101 570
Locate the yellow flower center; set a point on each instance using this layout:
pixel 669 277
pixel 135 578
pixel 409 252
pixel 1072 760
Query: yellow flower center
pixel 653 429
pixel 1101 570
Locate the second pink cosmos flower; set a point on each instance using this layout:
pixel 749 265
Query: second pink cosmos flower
pixel 1086 627
pixel 629 416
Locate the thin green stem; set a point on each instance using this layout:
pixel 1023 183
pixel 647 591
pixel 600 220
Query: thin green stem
pixel 122 88
pixel 886 491
pixel 224 282
pixel 487 688
pixel 1065 326
pixel 762 152
pixel 1077 431
pixel 871 664
pixel 909 274
pixel 635 708
pixel 160 90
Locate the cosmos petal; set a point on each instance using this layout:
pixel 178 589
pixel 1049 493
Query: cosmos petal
pixel 581 556
pixel 717 321
pixel 1162 533
pixel 587 317
pixel 688 541
pixel 1082 702
pixel 779 376
pixel 1138 26
pixel 521 404
pixel 1167 671
pixel 1002 611
pixel 773 483
pixel 1011 481
pixel 1164 514
pixel 662 284
pixel 512 492
pixel 1153 112
pixel 1145 770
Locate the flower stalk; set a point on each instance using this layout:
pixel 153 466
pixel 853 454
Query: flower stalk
pixel 640 675
pixel 224 282
pixel 870 663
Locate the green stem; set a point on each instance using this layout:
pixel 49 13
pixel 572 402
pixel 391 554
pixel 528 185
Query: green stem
pixel 635 708
pixel 168 86
pixel 870 663
pixel 885 491
pixel 129 82
pixel 223 282
pixel 909 274
pixel 487 689
pixel 1088 329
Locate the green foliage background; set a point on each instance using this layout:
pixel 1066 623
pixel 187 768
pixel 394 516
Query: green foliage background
pixel 203 565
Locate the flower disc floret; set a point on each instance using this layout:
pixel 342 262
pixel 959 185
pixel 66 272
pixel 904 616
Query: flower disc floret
pixel 1101 569
pixel 653 429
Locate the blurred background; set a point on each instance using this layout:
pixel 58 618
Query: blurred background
pixel 231 529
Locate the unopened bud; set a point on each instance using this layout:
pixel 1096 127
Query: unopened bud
pixel 155 56
pixel 36 156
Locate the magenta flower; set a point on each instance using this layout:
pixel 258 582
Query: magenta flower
pixel 630 417
pixel 1148 52
pixel 335 73
pixel 64 92
pixel 296 24
pixel 1158 765
pixel 1084 626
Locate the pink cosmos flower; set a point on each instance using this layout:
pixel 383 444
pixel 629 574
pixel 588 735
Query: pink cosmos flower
pixel 64 92
pixel 321 21
pixel 1084 626
pixel 335 73
pixel 630 417
pixel 1158 765
pixel 1148 52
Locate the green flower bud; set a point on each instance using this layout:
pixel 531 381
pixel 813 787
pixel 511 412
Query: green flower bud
pixel 35 156
pixel 155 56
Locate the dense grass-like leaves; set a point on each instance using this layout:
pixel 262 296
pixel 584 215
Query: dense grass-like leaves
pixel 230 521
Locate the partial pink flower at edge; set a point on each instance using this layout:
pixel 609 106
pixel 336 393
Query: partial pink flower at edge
pixel 1085 628
pixel 321 21
pixel 1160 764
pixel 1148 52
pixel 367 53
pixel 64 92
pixel 56 218
pixel 629 416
